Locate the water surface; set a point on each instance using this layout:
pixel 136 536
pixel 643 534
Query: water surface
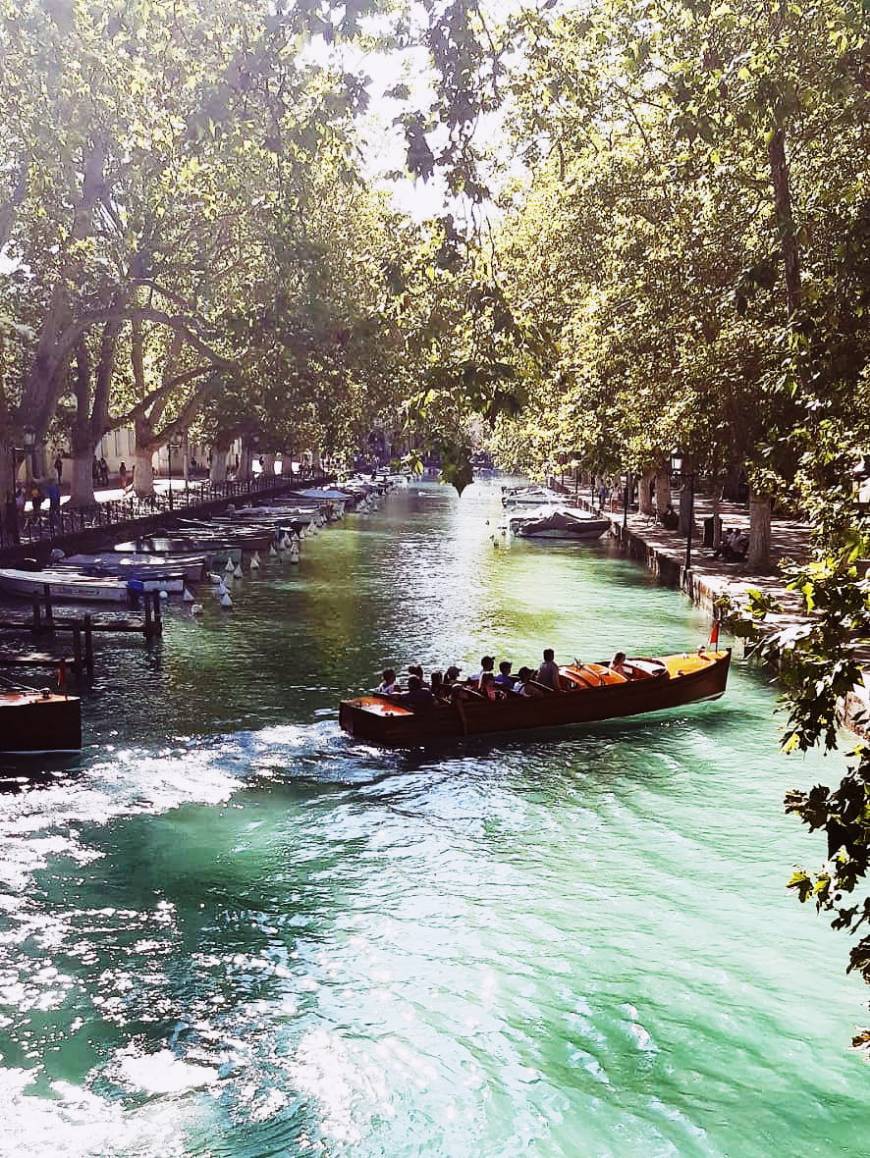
pixel 232 931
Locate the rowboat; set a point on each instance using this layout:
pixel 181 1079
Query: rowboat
pixel 34 723
pixel 192 567
pixel 64 585
pixel 213 552
pixel 596 694
pixel 561 523
pixel 532 496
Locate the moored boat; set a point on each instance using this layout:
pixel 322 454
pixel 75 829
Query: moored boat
pixel 561 523
pixel 192 567
pixel 65 585
pixel 596 694
pixel 35 723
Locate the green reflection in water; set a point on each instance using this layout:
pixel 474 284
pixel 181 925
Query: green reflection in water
pixel 234 932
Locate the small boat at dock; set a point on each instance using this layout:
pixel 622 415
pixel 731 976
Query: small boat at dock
pixel 138 566
pixel 596 694
pixel 39 722
pixel 559 523
pixel 65 585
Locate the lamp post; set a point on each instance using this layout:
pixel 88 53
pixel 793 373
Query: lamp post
pixel 28 435
pixel 687 478
pixel 626 499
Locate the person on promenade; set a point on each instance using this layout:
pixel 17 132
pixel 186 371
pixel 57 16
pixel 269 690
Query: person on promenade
pixel 58 468
pixel 10 522
pixel 548 672
pixel 52 490
pixel 104 472
pixel 388 685
pixel 122 476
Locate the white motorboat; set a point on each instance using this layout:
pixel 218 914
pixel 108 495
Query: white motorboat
pixel 531 496
pixel 65 585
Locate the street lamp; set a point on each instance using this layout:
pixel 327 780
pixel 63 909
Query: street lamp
pixel 28 435
pixel 687 478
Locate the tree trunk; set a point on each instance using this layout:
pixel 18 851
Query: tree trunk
pixel 244 470
pixel 7 482
pixel 784 219
pixel 268 465
pixel 663 492
pixel 758 556
pixel 218 470
pixel 82 480
pixel 143 479
pixel 645 495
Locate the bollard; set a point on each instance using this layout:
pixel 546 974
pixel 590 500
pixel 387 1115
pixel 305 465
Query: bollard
pixel 37 615
pixel 89 646
pixel 77 650
pixel 49 611
pixel 149 627
pixel 158 615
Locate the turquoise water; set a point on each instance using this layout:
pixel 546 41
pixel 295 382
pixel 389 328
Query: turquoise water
pixel 232 931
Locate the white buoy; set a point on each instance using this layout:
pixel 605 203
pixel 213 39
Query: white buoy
pixel 238 573
pixel 272 550
pixel 57 555
pixel 282 543
pixel 186 596
pixel 293 554
pixel 228 581
pixel 230 565
pixel 196 609
pixel 301 534
pixel 225 600
pixel 214 579
pixel 164 595
pixel 255 561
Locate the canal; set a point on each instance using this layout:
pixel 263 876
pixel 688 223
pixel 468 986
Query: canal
pixel 232 931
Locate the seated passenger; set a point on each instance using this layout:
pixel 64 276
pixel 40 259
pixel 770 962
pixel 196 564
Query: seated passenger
pixel 417 696
pixel 617 664
pixel 414 669
pixel 504 679
pixel 389 684
pixel 451 676
pixel 487 663
pixel 548 672
pixel 524 686
pixel 488 688
pixel 440 690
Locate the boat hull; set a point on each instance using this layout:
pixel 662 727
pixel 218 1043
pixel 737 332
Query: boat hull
pixel 684 680
pixel 34 724
pixel 594 530
pixel 80 589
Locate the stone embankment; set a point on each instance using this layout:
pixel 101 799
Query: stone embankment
pixel 715 584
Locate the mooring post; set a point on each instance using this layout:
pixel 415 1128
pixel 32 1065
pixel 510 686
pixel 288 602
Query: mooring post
pixel 158 618
pixel 149 630
pixel 49 611
pixel 37 615
pixel 77 649
pixel 89 646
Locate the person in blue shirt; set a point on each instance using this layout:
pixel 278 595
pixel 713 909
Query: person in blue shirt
pixel 504 679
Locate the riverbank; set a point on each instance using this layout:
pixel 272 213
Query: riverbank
pixel 716 585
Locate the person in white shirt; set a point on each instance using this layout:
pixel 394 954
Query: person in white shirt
pixel 389 685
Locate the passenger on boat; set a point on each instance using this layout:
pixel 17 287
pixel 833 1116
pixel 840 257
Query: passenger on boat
pixel 487 663
pixel 452 674
pixel 489 689
pixel 524 685
pixel 617 664
pixel 417 696
pixel 440 690
pixel 414 669
pixel 548 672
pixel 389 685
pixel 504 679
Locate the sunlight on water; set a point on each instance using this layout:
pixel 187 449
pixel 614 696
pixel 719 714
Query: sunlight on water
pixel 230 930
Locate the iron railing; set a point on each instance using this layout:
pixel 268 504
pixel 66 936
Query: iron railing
pixel 46 525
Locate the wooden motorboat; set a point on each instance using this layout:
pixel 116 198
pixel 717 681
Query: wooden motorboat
pixel 35 723
pixel 560 523
pixel 64 585
pixel 596 694
pixel 138 566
